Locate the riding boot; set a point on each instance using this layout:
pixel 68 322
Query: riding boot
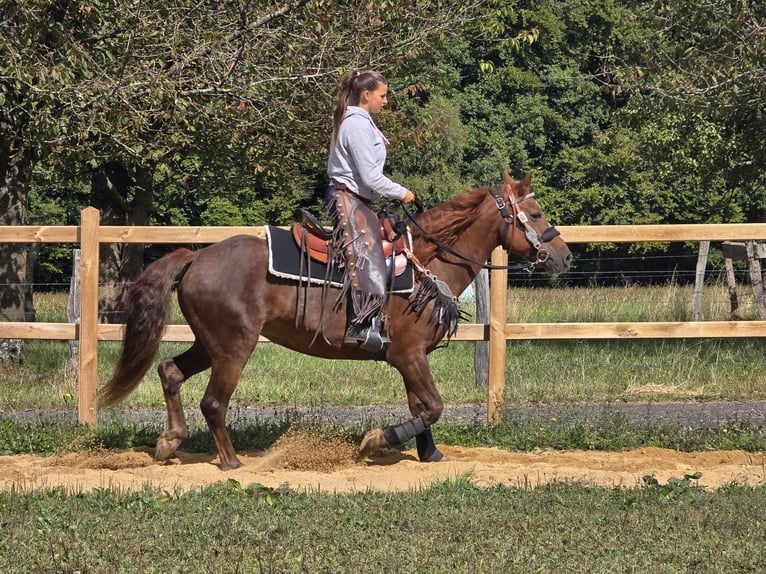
pixel 369 337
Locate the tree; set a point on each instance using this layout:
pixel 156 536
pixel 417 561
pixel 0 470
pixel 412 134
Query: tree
pixel 130 92
pixel 17 153
pixel 428 154
pixel 702 71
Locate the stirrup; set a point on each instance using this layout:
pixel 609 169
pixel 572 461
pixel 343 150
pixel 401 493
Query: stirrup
pixel 368 337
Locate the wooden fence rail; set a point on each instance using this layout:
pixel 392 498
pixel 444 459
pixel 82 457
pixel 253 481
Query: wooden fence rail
pixel 90 234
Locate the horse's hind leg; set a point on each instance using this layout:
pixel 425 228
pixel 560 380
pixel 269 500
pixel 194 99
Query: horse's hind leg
pixel 173 372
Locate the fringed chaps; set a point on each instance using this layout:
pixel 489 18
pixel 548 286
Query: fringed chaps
pixel 357 239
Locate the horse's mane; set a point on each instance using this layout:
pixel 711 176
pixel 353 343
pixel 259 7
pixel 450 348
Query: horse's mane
pixel 446 222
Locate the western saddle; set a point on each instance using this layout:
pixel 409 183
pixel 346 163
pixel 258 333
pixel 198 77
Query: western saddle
pixel 310 232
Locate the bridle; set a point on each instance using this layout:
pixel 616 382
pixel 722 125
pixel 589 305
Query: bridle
pixel 520 216
pixel 513 219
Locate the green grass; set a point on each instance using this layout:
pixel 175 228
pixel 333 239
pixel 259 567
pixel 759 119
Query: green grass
pixel 453 526
pixel 536 371
pixel 629 303
pixel 612 431
pixel 450 527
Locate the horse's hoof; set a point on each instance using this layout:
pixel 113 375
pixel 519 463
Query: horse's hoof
pixel 374 441
pixel 230 465
pixel 165 448
pixel 437 456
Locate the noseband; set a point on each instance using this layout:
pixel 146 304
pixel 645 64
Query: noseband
pixel 519 218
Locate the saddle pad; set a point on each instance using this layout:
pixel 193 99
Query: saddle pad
pixel 285 262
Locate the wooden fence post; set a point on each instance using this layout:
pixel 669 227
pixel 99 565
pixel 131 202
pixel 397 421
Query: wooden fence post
pixel 731 284
pixel 481 348
pixel 756 277
pixel 73 314
pixel 699 278
pixel 498 289
pixel 88 331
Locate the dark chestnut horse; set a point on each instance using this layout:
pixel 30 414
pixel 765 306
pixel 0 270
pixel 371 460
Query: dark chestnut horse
pixel 230 299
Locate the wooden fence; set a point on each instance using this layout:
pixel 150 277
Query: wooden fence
pixel 90 234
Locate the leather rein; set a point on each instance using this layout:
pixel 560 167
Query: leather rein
pixel 513 219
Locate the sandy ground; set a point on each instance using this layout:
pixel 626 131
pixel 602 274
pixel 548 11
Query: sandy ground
pixel 302 463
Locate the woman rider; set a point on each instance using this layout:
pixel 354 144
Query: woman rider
pixel 355 168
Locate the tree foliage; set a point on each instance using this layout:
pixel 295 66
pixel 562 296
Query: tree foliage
pixel 219 113
pixel 702 77
pixel 161 105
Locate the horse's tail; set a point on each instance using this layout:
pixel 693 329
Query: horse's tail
pixel 147 305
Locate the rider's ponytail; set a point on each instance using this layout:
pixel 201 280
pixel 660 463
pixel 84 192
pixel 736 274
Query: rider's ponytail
pixel 352 84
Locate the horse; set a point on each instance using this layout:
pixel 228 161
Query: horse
pixel 230 299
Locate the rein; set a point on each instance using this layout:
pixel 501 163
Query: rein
pixel 534 239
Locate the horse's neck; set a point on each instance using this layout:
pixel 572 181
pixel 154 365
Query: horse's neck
pixel 476 244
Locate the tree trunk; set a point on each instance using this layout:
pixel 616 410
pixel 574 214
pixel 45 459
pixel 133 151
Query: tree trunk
pixel 15 170
pixel 122 199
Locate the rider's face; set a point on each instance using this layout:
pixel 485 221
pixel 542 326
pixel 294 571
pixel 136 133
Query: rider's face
pixel 374 100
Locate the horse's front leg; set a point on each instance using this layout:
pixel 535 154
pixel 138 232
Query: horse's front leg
pixel 426 407
pixel 427 451
pixel 215 404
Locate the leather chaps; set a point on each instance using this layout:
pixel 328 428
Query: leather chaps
pixel 357 237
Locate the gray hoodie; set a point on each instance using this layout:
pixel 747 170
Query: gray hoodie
pixel 358 157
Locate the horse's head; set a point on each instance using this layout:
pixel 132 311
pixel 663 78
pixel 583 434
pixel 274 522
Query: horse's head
pixel 527 233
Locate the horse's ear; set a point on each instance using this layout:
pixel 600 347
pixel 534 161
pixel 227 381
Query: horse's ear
pixel 526 181
pixel 506 178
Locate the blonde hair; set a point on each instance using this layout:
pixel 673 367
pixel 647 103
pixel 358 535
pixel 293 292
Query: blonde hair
pixel 352 84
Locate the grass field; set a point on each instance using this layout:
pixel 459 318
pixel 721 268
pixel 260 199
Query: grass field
pixel 536 371
pixel 453 526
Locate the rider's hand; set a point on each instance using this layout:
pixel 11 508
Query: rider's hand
pixel 408 197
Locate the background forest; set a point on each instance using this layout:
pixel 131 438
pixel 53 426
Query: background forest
pixel 218 113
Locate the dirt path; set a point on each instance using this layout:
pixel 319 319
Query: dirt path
pixel 304 465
